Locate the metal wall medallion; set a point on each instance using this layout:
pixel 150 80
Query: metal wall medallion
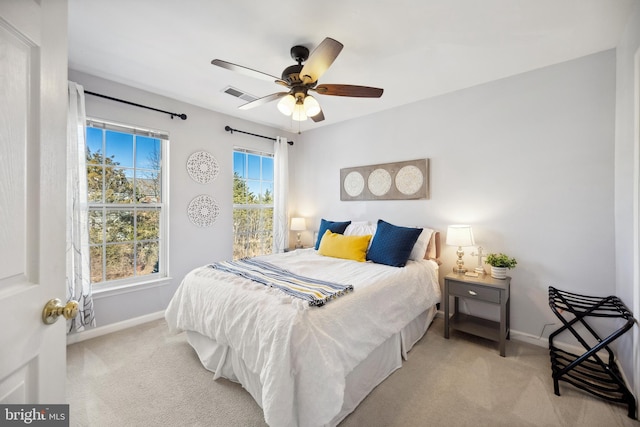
pixel 202 167
pixel 203 211
pixel 407 180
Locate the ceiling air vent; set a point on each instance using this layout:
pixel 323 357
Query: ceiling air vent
pixel 239 94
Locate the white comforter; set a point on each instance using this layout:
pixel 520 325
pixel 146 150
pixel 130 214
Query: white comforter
pixel 303 354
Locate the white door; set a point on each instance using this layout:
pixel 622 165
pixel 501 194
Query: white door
pixel 33 99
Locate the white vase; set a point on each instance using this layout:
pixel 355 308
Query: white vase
pixel 499 272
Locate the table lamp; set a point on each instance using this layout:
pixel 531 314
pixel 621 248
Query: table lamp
pixel 460 235
pixel 298 224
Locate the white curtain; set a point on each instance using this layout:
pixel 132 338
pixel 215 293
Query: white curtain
pixel 78 279
pixel 281 193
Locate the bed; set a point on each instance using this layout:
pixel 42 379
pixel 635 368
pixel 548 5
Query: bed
pixel 309 365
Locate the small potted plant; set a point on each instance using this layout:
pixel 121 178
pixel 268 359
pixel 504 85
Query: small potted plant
pixel 499 264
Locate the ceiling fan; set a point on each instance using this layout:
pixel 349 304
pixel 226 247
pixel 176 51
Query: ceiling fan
pixel 301 79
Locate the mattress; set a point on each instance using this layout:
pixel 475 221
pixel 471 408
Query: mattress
pixel 295 359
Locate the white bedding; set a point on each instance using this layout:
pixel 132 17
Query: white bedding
pixel 302 354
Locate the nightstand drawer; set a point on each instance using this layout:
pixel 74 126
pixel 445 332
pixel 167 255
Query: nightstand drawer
pixel 482 293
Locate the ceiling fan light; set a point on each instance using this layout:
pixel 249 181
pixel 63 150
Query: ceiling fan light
pixel 287 104
pixel 311 106
pixel 298 113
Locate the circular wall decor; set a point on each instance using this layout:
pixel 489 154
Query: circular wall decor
pixel 202 167
pixel 203 211
pixel 354 184
pixel 409 180
pixel 379 182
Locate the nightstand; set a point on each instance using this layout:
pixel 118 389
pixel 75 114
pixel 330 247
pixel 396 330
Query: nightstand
pixel 482 288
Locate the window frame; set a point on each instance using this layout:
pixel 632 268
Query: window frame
pixel 257 206
pixel 162 276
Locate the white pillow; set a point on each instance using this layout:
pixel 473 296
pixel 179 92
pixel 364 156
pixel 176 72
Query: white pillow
pixel 420 247
pixel 360 228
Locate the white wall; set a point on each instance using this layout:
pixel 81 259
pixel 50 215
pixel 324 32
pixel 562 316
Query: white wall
pixel 528 161
pixel 189 246
pixel 627 152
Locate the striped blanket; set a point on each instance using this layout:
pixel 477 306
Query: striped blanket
pixel 316 292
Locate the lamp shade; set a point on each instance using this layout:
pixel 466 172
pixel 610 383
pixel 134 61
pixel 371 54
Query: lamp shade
pixel 311 106
pixel 460 235
pixel 298 224
pixel 298 112
pixel 286 105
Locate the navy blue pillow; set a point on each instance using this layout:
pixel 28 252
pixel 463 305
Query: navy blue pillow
pixel 335 227
pixel 392 244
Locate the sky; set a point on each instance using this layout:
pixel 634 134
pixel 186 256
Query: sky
pixel 120 146
pixel 256 170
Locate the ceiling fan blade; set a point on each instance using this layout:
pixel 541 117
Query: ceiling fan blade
pixel 320 60
pixel 349 90
pixel 247 71
pixel 264 100
pixel 318 117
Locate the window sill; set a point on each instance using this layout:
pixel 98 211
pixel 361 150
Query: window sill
pixel 120 289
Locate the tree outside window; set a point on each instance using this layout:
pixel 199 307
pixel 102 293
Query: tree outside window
pixel 125 204
pixel 252 204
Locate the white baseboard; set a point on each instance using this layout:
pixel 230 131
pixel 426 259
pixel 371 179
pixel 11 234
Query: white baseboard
pixel 114 327
pixel 529 339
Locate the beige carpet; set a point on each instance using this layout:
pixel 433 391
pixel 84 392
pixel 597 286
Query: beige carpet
pixel 146 376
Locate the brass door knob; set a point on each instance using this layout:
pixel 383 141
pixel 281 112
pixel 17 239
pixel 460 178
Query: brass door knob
pixel 54 308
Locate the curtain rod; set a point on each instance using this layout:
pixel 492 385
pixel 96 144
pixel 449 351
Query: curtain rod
pixel 182 116
pixel 232 130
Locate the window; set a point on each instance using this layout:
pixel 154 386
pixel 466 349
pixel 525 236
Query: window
pixel 126 203
pixel 252 204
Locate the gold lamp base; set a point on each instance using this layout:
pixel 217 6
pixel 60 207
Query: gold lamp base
pixel 459 267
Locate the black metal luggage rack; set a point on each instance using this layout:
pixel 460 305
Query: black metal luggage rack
pixel 588 371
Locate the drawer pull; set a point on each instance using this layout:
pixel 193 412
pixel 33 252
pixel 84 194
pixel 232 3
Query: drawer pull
pixel 474 293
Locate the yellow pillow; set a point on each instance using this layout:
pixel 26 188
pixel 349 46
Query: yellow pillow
pixel 346 247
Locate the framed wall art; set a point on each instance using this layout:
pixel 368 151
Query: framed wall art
pixel 408 180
